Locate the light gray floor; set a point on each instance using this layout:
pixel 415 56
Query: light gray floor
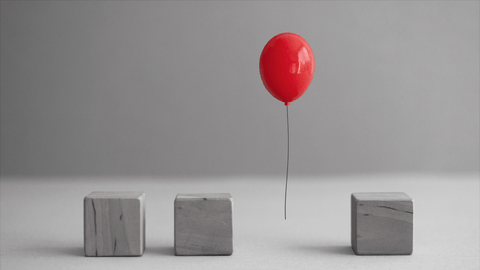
pixel 42 222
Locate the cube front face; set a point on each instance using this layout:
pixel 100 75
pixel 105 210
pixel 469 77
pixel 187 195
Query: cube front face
pixel 114 224
pixel 382 223
pixel 203 224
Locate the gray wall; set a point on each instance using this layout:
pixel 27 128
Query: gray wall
pixel 173 88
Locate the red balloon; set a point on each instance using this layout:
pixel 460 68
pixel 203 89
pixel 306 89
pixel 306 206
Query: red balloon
pixel 287 66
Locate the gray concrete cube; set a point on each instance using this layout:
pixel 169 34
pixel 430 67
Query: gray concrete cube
pixel 203 224
pixel 382 223
pixel 114 224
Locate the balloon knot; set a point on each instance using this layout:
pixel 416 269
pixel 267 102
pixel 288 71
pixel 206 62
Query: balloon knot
pixel 287 103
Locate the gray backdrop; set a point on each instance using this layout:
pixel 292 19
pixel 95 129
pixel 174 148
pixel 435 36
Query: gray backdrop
pixel 173 88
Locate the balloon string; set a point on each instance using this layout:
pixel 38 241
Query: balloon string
pixel 288 157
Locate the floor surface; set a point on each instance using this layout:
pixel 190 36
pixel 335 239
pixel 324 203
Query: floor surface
pixel 42 222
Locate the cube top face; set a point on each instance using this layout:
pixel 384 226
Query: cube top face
pixel 204 196
pixel 116 195
pixel 381 196
pixel 382 223
pixel 114 224
pixel 203 224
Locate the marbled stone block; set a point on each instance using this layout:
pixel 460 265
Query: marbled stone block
pixel 203 224
pixel 382 223
pixel 114 224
